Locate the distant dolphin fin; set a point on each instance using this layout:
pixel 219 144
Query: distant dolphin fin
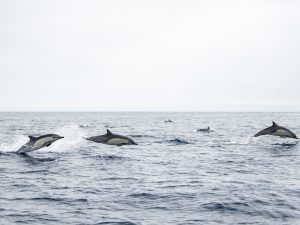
pixel 108 132
pixel 274 124
pixel 32 138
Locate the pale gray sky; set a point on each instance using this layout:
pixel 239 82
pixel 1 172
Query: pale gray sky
pixel 149 55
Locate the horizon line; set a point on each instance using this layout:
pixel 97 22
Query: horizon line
pixel 147 111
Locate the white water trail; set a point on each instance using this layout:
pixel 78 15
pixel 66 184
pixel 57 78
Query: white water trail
pixel 14 143
pixel 72 134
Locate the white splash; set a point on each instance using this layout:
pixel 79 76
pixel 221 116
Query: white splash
pixel 72 138
pixel 14 144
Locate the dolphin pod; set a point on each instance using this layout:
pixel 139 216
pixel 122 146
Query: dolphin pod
pixel 109 138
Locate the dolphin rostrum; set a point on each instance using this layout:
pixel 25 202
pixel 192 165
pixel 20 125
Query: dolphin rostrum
pixel 36 143
pixel 112 139
pixel 277 130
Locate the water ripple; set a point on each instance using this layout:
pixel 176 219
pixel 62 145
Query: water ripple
pixel 174 176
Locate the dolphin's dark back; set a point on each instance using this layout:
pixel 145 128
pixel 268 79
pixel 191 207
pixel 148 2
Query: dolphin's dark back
pixel 267 131
pixel 106 139
pixel 100 139
pixel 43 136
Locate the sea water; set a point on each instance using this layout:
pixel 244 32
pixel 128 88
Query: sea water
pixel 175 175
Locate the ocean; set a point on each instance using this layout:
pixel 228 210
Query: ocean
pixel 175 175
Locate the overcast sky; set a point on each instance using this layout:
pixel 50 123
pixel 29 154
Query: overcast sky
pixel 149 55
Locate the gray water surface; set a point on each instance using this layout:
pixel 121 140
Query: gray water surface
pixel 174 176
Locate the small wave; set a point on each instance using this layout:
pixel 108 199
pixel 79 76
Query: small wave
pixel 240 141
pixel 34 171
pixel 142 136
pixel 178 141
pixel 16 129
pixel 286 144
pixel 21 185
pixel 52 199
pixel 49 199
pixel 36 160
pixel 84 126
pixel 109 157
pixel 146 195
pixel 119 178
pixel 224 206
pixel 247 208
pixel 284 155
pixel 227 142
pixel 116 223
pixel 109 126
pixel 158 208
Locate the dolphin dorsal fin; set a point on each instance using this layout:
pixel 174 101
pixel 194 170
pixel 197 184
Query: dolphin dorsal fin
pixel 274 124
pixel 108 132
pixel 32 138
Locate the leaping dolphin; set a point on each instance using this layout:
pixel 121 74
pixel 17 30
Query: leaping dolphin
pixel 112 139
pixel 277 130
pixel 36 143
